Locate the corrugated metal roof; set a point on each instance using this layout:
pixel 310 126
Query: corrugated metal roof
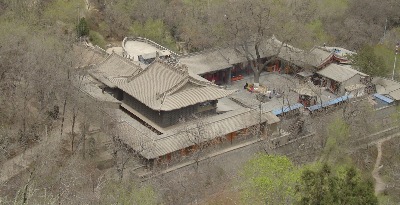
pixel 383 98
pixel 339 73
pixel 285 109
pixel 331 102
pixel 164 86
pixel 395 94
pixel 385 86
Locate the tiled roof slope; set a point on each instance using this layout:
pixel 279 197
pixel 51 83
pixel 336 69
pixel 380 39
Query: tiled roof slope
pixel 113 67
pixel 318 56
pixel 387 87
pixel 151 146
pixel 339 73
pixel 221 58
pixel 164 86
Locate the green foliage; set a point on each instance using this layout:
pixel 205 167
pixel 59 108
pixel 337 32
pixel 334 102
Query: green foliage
pixel 154 30
pixel 10 28
pixel 127 193
pixel 333 7
pixel 269 178
pixel 64 11
pixel 386 52
pixel 396 116
pixel 82 28
pixel 346 186
pixel 367 61
pixel 320 36
pixel 337 135
pixel 97 39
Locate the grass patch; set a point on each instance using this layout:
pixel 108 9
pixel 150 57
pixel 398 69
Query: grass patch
pixel 97 39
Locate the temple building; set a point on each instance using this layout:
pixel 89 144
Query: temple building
pixel 164 111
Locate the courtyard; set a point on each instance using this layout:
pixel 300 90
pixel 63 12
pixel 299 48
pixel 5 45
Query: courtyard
pixel 281 83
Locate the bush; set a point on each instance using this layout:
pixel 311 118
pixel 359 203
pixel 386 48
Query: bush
pixel 82 28
pixel 97 39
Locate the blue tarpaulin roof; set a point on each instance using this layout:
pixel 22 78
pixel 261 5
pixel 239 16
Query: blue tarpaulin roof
pixel 287 109
pixel 331 102
pixel 314 107
pixel 383 98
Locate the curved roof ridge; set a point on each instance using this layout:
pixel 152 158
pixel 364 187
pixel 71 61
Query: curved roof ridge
pixel 177 86
pixel 178 68
pixel 120 57
pixel 127 61
pixel 209 50
pixel 202 83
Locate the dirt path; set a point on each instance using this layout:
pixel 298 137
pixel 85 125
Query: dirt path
pixel 379 185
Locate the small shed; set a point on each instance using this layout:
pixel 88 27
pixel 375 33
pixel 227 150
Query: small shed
pixel 356 89
pixel 337 77
pixel 307 97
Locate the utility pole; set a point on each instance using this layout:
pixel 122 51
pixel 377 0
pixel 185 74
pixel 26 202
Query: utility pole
pixel 384 32
pixel 259 97
pixel 77 26
pixel 395 58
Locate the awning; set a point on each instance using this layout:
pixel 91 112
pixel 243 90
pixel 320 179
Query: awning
pixel 285 109
pixel 331 102
pixel 383 98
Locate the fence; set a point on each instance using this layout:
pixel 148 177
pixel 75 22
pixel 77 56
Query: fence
pixel 148 41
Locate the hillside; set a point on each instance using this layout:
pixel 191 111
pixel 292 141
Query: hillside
pixel 55 141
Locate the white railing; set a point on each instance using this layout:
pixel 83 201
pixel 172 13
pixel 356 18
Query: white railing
pixel 148 41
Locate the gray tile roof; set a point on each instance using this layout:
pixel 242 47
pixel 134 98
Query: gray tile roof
pixel 395 94
pixel 319 55
pixel 114 66
pixel 339 73
pixel 205 62
pixel 151 146
pixel 164 86
pixel 387 87
pixel 221 58
pixel 216 126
